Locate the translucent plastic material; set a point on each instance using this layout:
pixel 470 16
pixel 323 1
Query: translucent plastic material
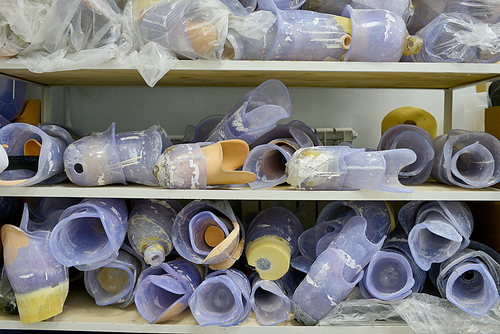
pixel 72 34
pixel 45 212
pixel 163 292
pixel 150 228
pixel 280 224
pixel 402 8
pixel 305 35
pixel 106 158
pixel 333 218
pixel 223 299
pixel 467 159
pixel 12 94
pixel 255 114
pixel 39 281
pixel 114 283
pixel 269 301
pixel 191 28
pixel 205 126
pixel 388 276
pixel 300 132
pixel 440 230
pixel 218 214
pixel 335 272
pixel 90 234
pixel 377 35
pixel 469 279
pixel 458 38
pixel 419 141
pixel 24 141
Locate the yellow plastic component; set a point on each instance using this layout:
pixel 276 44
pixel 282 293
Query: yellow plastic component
pixel 31 113
pixel 214 235
pixel 42 304
pixel 112 279
pixel 344 23
pixel 413 116
pixel 270 255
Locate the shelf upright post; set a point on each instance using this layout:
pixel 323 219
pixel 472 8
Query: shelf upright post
pixel 448 110
pixel 46 104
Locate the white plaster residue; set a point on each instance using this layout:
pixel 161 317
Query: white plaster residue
pixel 27 276
pixel 129 138
pixel 195 175
pixel 101 181
pixel 310 281
pixel 349 261
pixel 332 302
pixel 237 120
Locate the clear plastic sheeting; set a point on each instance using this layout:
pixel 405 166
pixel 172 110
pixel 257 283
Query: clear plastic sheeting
pixel 424 314
pixel 25 17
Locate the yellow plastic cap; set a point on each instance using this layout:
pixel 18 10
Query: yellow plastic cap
pixel 413 116
pixel 270 255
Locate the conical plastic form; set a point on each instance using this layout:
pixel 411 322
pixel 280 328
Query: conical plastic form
pixel 12 93
pixel 377 35
pixel 269 302
pixel 150 228
pixel 388 276
pixel 268 162
pixel 113 284
pixel 222 255
pixel 90 234
pixel 163 292
pixel 13 139
pixel 94 160
pixel 39 281
pixel 223 299
pixel 255 114
pixel 419 141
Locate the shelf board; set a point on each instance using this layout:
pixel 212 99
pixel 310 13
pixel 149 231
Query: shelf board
pixel 80 313
pixel 252 73
pixel 429 191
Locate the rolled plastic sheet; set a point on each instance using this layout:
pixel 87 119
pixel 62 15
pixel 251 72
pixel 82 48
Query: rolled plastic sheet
pixel 419 141
pixel 30 156
pixel 307 35
pixel 12 94
pixel 114 283
pixel 150 229
pixel 319 168
pixel 256 113
pixel 163 292
pixel 45 211
pixel 205 126
pixel 191 28
pixel 403 9
pixel 469 279
pixel 272 241
pixel 208 232
pixel 222 299
pixel 335 272
pixel 89 234
pixel 458 38
pixel 333 218
pixel 440 229
pixel 269 301
pixel 39 281
pixel 297 130
pixel 467 159
pixel 377 35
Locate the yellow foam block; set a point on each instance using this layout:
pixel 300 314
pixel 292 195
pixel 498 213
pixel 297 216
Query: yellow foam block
pixel 270 255
pixel 42 304
pixel 411 115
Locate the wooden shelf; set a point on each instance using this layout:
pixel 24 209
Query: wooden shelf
pixel 253 73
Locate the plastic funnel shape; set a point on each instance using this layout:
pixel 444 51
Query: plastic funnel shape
pixel 223 299
pixel 388 276
pixel 397 241
pixel 467 159
pixel 163 292
pixel 211 219
pixel 150 229
pixel 441 229
pixel 307 35
pixel 94 160
pixel 12 94
pixel 272 241
pixel 255 114
pixel 268 163
pixel 319 168
pixel 377 35
pixel 90 234
pixel 33 156
pixel 114 283
pixel 469 279
pixel 335 272
pixel 378 170
pixel 419 141
pixel 39 281
pixel 191 28
pixel 269 301
pixel 203 165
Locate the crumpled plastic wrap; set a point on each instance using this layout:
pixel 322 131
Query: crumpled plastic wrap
pixel 424 314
